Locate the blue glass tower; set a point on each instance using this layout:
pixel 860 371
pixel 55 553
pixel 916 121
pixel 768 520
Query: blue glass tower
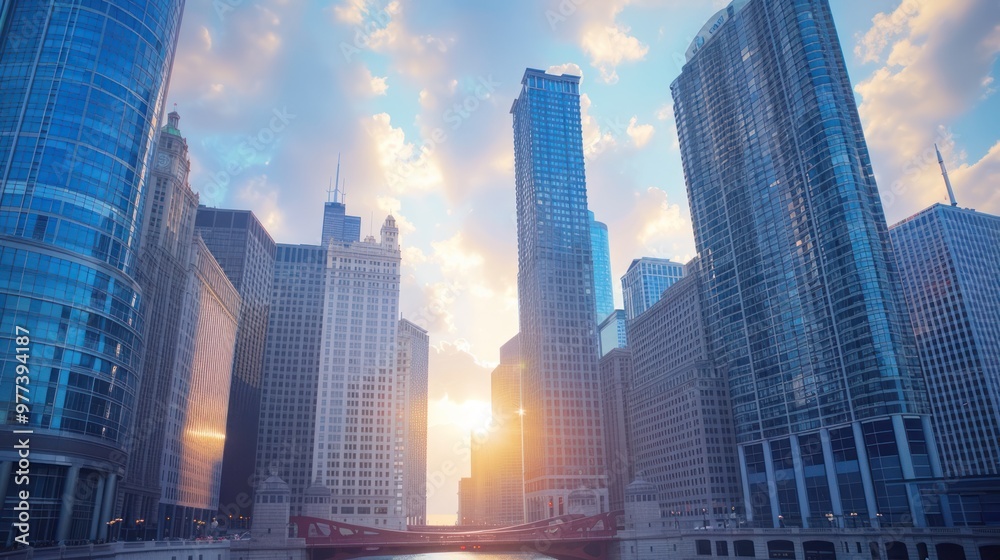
pixel 645 281
pixel 80 102
pixel 802 291
pixel 603 291
pixel 563 440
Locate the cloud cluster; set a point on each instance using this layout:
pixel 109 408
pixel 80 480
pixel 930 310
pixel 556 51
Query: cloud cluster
pixel 919 89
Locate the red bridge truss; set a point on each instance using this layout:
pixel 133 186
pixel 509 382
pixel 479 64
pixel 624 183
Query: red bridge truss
pixel 568 537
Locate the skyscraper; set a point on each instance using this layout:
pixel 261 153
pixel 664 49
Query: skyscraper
pixel 337 225
pixel 679 414
pixel 358 452
pixel 291 369
pixel 496 456
pixel 949 259
pixel 190 315
pixel 644 282
pixel 802 291
pixel 412 363
pixel 245 252
pixel 616 378
pixel 612 332
pixel 332 400
pixel 564 445
pixel 78 116
pixel 603 291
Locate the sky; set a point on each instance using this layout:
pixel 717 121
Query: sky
pixel 415 98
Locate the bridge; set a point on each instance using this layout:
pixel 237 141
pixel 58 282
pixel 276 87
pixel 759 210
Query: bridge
pixel 568 537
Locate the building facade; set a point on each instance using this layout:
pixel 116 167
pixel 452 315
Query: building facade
pixel 564 442
pixel 78 132
pixel 245 251
pixel 679 413
pixel 616 378
pixel 291 369
pixel 359 447
pixel 603 291
pixel 502 501
pixel 412 363
pixel 949 260
pixel 337 225
pixel 195 425
pixel 613 332
pixel 644 282
pixel 802 299
pixel 190 318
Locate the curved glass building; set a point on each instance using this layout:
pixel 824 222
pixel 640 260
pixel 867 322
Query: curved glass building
pixel 803 294
pixel 81 88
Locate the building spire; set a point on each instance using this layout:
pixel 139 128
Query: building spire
pixel 336 189
pixel 944 173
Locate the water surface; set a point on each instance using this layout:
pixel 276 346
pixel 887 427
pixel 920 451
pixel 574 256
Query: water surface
pixel 467 556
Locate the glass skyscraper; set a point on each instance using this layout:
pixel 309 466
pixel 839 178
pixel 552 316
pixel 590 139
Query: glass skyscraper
pixel 412 362
pixel 603 292
pixel 245 251
pixel 563 439
pixel 645 281
pixel 949 259
pixel 80 102
pixel 802 292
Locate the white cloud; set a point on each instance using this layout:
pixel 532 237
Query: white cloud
pixel 405 166
pixel 640 134
pixel 370 84
pixel 610 45
pixel 570 68
pixel 910 101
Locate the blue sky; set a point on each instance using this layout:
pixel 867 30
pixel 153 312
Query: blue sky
pixel 416 97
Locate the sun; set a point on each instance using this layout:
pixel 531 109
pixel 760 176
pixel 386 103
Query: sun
pixel 473 416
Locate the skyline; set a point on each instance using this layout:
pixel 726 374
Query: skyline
pixel 466 261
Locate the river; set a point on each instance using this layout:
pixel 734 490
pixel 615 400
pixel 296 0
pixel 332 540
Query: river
pixel 466 556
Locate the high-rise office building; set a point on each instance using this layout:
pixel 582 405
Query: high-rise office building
pixel 412 363
pixel 358 452
pixel 802 298
pixel 337 225
pixel 679 414
pixel 616 377
pixel 644 282
pixel 245 252
pixel 190 314
pixel 564 443
pixel 332 406
pixel 291 368
pixel 601 246
pixel 500 495
pixel 466 502
pixel 612 332
pixel 949 259
pixel 78 117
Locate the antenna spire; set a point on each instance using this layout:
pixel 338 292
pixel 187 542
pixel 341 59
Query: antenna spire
pixel 329 191
pixel 944 173
pixel 336 190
